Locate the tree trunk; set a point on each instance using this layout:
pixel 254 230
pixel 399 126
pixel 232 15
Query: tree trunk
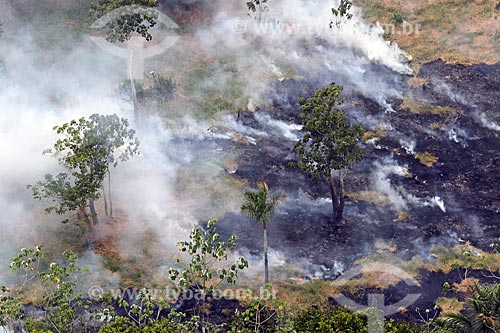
pixel 93 213
pixel 132 87
pixel 335 198
pixel 266 258
pixel 105 201
pixel 109 193
pixel 87 227
pixel 341 196
pixel 260 12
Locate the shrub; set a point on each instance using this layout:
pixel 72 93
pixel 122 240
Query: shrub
pixel 330 319
pixel 120 325
pixel 171 324
pixel 335 319
pixel 164 326
pixel 398 17
pixel 163 87
pixel 392 326
pixel 255 317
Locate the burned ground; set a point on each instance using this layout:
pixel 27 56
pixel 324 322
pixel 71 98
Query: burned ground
pixel 466 176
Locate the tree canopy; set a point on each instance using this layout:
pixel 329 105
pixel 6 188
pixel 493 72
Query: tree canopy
pixel 341 12
pixel 259 205
pixel 329 142
pixel 134 17
pixel 87 149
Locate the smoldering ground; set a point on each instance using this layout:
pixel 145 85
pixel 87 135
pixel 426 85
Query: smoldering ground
pixel 194 167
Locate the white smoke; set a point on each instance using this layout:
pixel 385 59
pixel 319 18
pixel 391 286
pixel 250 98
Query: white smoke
pixel 295 34
pixel 408 145
pixel 289 131
pixel 381 182
pixel 442 88
pixel 488 123
pixel 49 84
pixel 438 202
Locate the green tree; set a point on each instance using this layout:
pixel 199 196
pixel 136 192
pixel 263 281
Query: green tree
pixel 134 18
pixel 137 16
pixel 341 12
pixel 10 309
pixel 481 313
pixel 329 142
pixel 208 265
pixel 60 301
pixel 87 150
pixel 259 206
pixel 119 142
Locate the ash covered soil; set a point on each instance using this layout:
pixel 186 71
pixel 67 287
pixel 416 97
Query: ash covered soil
pixel 465 178
pixel 455 200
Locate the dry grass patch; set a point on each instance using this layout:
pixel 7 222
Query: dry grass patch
pixel 449 305
pixel 374 134
pixel 464 31
pixel 417 82
pixel 373 197
pixel 423 109
pixel 305 294
pixel 381 246
pixel 426 159
pixel 436 125
pixel 209 187
pixel 466 286
pixel 402 216
pixel 464 256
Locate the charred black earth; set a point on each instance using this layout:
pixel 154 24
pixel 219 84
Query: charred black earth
pixel 465 178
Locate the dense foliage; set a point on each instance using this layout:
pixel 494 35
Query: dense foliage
pixel 65 310
pixel 329 142
pixel 87 150
pixel 134 16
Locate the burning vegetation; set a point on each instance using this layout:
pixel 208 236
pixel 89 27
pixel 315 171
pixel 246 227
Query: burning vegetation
pixel 387 176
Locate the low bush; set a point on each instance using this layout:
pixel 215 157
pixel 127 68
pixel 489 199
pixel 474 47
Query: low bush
pixel 120 325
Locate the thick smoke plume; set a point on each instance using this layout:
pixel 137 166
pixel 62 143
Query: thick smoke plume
pixel 50 77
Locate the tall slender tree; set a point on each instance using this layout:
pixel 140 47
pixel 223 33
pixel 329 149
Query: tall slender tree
pixel 136 17
pixel 119 142
pixel 329 144
pixel 259 205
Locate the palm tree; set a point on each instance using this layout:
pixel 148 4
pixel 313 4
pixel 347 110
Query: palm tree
pixel 481 314
pixel 259 206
